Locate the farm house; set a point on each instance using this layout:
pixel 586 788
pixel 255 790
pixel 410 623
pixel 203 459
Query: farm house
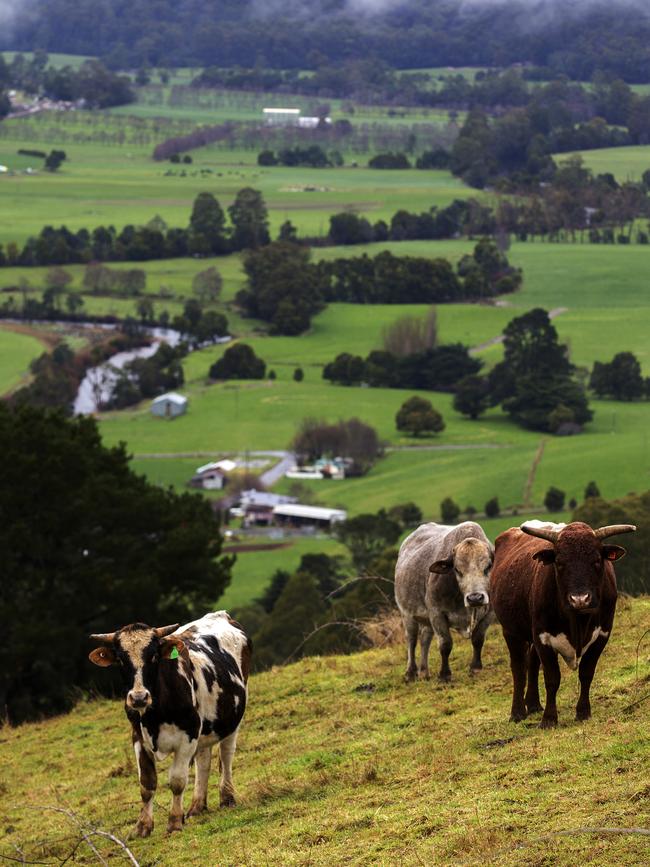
pixel 169 405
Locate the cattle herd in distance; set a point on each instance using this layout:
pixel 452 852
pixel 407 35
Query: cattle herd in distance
pixel 552 587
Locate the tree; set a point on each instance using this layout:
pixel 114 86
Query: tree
pixel 366 536
pixel 408 514
pixel 449 511
pixel 54 160
pixel 592 490
pixel 298 374
pixel 620 379
pixel 554 499
pixel 353 440
pixel 411 334
pixel 238 362
pixel 207 285
pixel 207 226
pixel 417 415
pixel 472 396
pixel 249 218
pixel 492 509
pixel 88 547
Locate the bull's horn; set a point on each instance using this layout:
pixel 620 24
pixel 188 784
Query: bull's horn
pixel 103 637
pixel 614 530
pixel 541 532
pixel 162 631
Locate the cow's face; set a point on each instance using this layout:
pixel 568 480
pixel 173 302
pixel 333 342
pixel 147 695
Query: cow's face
pixel 138 650
pixel 471 563
pixel 579 559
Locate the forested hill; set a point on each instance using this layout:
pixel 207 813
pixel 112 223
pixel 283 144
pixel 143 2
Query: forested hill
pixel 587 36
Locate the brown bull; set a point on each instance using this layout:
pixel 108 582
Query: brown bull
pixel 553 589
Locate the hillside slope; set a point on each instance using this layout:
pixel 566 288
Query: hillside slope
pixel 339 762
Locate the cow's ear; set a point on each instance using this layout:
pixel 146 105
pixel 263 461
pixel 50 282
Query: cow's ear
pixel 613 552
pixel 103 656
pixel 545 556
pixel 169 645
pixel 442 566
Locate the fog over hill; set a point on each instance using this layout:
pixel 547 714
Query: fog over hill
pixel 573 37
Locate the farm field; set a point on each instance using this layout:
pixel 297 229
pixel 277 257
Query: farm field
pixel 16 353
pixel 625 163
pixel 339 761
pixel 120 184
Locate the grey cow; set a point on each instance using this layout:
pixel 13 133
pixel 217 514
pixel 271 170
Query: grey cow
pixel 442 582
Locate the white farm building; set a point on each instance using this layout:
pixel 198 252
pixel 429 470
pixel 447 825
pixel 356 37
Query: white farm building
pixel 169 405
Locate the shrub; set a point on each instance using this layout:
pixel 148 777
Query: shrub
pixel 492 509
pixel 554 499
pixel 416 415
pixel 449 511
pixel 238 362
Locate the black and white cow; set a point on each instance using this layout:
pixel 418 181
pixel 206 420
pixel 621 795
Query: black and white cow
pixel 185 692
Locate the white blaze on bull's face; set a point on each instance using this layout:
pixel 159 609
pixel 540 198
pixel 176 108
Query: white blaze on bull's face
pixel 137 651
pixel 472 565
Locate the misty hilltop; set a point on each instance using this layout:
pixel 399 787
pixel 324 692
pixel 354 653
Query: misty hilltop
pixel 574 38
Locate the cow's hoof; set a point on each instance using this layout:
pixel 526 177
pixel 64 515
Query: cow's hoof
pixel 475 669
pixel 444 678
pixel 196 807
pixel 583 715
pixel 534 708
pixel 175 824
pixel 143 829
pixel 228 801
pixel 410 676
pixel 518 715
pixel 548 723
pixel 424 675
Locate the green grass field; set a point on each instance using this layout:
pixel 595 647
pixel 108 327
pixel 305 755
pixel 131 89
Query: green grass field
pixel 16 353
pixel 626 163
pixel 340 762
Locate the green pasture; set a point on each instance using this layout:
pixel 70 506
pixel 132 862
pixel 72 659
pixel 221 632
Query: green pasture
pixel 339 762
pixel 625 163
pixel 113 184
pixel 16 353
pixel 55 60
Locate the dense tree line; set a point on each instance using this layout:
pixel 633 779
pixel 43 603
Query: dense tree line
pixel 87 546
pixel 208 234
pixel 285 289
pixel 308 155
pixel 91 83
pixel 295 35
pixel 437 369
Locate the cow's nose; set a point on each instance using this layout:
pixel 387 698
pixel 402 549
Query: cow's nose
pixel 579 600
pixel 474 599
pixel 138 698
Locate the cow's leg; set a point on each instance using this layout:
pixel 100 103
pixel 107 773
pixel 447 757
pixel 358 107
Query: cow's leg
pixel 226 788
pixel 148 782
pixel 517 648
pixel 426 636
pixel 552 677
pixel 411 629
pixel 586 674
pixel 445 644
pixel 202 762
pixel 533 704
pixel 478 639
pixel 178 774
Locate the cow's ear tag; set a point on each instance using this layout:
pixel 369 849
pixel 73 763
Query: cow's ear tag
pixel 174 653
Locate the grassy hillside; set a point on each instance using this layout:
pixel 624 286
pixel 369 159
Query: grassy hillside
pixel 339 762
pixel 16 352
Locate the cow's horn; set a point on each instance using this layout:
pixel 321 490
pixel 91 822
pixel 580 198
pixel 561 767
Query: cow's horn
pixel 162 631
pixel 614 530
pixel 103 637
pixel 541 532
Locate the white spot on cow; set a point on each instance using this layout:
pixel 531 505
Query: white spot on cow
pixel 561 644
pixel 236 700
